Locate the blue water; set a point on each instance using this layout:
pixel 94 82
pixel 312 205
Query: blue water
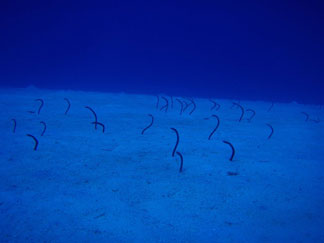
pixel 233 49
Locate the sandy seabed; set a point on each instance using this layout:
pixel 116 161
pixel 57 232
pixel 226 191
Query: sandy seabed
pixel 83 185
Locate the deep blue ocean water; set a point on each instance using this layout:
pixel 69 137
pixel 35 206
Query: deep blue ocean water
pixel 254 50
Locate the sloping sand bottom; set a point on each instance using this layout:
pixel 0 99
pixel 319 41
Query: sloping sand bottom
pixel 83 185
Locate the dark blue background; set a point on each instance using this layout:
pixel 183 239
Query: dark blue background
pixel 270 50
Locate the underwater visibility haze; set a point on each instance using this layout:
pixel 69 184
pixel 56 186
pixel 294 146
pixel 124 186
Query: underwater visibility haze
pixel 269 50
pixel 161 121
